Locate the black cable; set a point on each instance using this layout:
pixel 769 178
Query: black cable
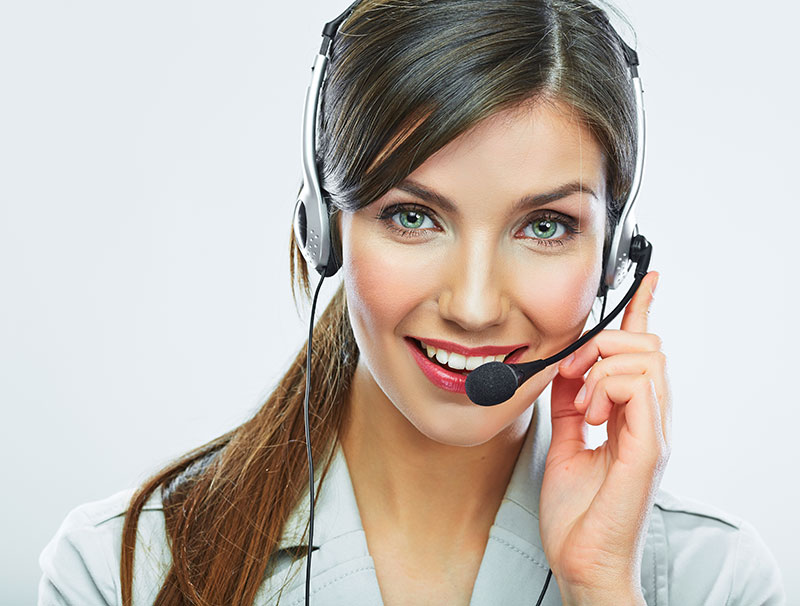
pixel 603 309
pixel 550 571
pixel 544 589
pixel 308 443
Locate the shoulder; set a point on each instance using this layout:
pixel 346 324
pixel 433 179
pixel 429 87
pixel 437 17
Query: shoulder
pixel 80 564
pixel 708 552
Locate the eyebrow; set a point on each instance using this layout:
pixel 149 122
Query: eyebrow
pixel 524 203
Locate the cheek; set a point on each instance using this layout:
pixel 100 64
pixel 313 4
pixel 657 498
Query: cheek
pixel 557 296
pixel 382 287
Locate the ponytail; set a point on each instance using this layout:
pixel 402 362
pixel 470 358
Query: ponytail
pixel 253 475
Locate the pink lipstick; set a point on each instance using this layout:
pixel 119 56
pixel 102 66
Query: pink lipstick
pixel 449 379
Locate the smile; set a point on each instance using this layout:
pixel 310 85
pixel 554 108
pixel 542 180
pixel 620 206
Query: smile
pixel 458 361
pixel 447 364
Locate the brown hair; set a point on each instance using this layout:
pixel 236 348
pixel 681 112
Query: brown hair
pixel 405 78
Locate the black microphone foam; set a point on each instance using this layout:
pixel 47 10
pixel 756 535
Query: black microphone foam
pixel 492 383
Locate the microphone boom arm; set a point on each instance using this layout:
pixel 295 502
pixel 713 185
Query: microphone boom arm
pixel 500 380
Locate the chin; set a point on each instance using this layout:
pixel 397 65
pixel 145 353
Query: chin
pixel 466 424
pixel 458 434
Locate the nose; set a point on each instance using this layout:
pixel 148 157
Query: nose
pixel 474 295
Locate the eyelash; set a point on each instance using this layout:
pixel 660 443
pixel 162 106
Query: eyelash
pixel 570 224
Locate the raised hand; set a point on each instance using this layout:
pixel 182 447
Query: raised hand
pixel 595 504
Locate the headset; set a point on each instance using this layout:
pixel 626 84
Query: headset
pixel 494 382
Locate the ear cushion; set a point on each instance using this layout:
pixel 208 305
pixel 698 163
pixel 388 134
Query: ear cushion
pixel 311 247
pixel 333 265
pixel 334 261
pixel 335 258
pixel 602 287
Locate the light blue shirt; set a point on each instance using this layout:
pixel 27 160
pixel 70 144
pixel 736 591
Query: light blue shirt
pixel 694 553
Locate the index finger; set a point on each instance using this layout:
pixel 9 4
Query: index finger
pixel 634 319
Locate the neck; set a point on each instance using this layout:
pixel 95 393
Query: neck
pixel 416 486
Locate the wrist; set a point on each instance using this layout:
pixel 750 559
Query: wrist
pixel 592 596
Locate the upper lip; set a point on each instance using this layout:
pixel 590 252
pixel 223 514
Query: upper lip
pixel 483 350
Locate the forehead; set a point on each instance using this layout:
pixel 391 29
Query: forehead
pixel 526 149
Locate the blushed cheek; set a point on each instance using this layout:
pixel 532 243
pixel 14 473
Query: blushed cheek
pixel 559 296
pixel 382 287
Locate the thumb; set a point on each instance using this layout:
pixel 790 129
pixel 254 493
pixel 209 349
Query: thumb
pixel 569 428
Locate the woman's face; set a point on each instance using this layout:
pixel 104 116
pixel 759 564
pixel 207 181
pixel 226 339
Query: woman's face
pixel 492 246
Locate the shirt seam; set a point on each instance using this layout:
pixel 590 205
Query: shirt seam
pixel 121 514
pixel 290 546
pixel 332 581
pixel 106 561
pixel 521 506
pixel 697 513
pixel 519 551
pixel 735 566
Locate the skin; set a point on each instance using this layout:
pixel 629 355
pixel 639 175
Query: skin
pixel 429 468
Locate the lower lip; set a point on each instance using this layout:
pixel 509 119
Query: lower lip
pixel 440 376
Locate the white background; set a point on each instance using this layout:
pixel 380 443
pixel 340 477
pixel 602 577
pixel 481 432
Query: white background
pixel 148 163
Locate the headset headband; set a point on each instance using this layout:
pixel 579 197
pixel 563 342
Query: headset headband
pixel 311 218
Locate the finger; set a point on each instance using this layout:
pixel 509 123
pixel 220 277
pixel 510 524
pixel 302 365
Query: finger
pixel 641 437
pixel 605 344
pixel 649 364
pixel 569 431
pixel 639 452
pixel 634 319
pixel 652 364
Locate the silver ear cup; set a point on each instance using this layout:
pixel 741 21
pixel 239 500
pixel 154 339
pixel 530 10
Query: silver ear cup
pixel 307 232
pixel 299 225
pixel 311 223
pixel 312 234
pixel 618 263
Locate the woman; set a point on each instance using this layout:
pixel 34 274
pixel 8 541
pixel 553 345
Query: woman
pixel 476 155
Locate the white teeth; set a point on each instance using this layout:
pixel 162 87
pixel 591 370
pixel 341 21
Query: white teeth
pixel 473 362
pixel 458 361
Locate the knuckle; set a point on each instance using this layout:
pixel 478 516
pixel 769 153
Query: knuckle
pixel 660 359
pixel 597 372
pixel 645 386
pixel 655 342
pixel 601 382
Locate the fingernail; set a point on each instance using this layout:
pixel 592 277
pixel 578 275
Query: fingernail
pixel 581 395
pixel 653 287
pixel 567 362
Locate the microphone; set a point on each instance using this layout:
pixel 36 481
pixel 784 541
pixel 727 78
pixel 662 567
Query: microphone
pixel 495 382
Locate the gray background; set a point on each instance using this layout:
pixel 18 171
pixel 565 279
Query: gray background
pixel 148 163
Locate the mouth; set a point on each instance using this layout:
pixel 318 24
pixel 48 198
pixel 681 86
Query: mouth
pixel 449 369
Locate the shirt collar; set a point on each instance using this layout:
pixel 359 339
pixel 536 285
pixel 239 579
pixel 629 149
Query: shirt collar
pixel 336 512
pixel 519 510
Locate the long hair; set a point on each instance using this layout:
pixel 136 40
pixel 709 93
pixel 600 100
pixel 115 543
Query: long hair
pixel 405 78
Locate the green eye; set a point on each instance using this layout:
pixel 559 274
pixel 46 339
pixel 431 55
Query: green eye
pixel 412 219
pixel 544 229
